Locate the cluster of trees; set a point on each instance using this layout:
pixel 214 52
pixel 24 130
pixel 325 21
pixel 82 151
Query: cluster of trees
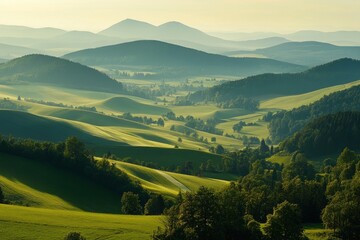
pixel 342 213
pixel 284 197
pixel 326 135
pixel 206 214
pixel 237 127
pixel 182 101
pixel 131 204
pixel 54 104
pixel 10 105
pixel 240 102
pixel 195 123
pixel 73 156
pixel 206 126
pixel 144 119
pixel 286 123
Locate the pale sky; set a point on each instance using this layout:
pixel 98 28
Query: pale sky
pixel 207 15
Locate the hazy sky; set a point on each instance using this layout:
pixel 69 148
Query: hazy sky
pixel 208 15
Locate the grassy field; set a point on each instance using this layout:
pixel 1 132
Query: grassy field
pixel 125 104
pixel 34 223
pixel 316 231
pixel 290 102
pixel 31 183
pixel 167 183
pixel 280 159
pixel 23 183
pixel 165 157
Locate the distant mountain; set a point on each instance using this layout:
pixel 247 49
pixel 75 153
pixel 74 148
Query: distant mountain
pixel 305 53
pixel 74 40
pixel 344 38
pixel 160 56
pixel 331 37
pixel 334 73
pixel 132 29
pixel 28 32
pixel 44 69
pixel 10 51
pixel 180 34
pixel 58 42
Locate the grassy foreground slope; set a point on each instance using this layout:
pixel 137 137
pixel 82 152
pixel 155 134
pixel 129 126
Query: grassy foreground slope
pixel 43 224
pixel 33 223
pixel 32 183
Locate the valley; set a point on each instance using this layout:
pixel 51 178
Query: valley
pixel 165 132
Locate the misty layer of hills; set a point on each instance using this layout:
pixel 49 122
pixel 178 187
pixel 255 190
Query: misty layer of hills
pixel 307 53
pixel 58 42
pixel 159 56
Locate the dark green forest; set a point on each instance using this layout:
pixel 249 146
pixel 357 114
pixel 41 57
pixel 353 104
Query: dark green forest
pixel 334 73
pixel 282 197
pixel 285 123
pixel 326 135
pixel 73 156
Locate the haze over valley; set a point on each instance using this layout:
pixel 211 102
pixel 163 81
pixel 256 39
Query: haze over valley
pixel 164 124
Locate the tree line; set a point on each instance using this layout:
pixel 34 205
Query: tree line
pixel 282 197
pixel 285 123
pixel 73 155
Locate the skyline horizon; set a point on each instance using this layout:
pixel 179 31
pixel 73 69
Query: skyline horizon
pixel 172 20
pixel 281 16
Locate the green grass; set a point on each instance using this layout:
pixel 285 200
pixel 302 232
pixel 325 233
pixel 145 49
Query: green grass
pixel 32 183
pixel 290 102
pixel 43 224
pixel 165 157
pixel 316 231
pixel 124 104
pixel 151 179
pixel 280 158
pixel 26 125
pixel 167 183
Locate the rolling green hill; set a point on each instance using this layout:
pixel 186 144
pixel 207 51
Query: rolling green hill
pixel 286 123
pixel 164 157
pixel 123 104
pixel 326 135
pixel 32 183
pixel 48 70
pixel 159 56
pixel 26 125
pixel 167 183
pixel 334 73
pixel 305 53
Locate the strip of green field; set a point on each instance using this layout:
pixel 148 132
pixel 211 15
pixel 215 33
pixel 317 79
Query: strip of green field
pixel 290 102
pixel 168 183
pixel 28 223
